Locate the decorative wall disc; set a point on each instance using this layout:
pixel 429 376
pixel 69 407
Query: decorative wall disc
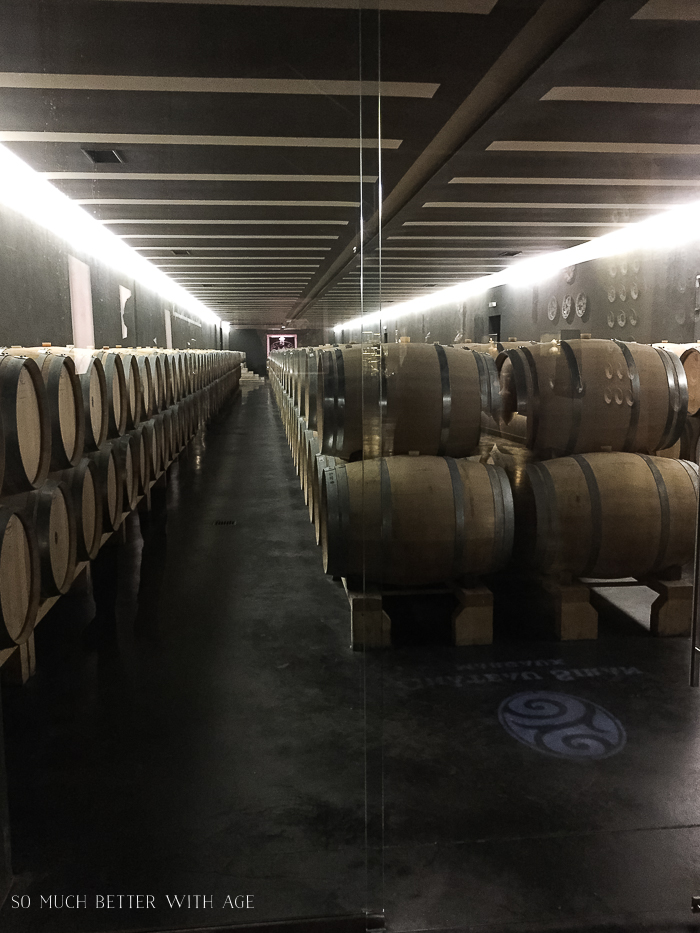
pixel 569 274
pixel 611 318
pixel 567 307
pixel 581 304
pixel 622 291
pixel 635 265
pixel 553 308
pixel 621 319
pixel 612 294
pixel 612 269
pixel 623 267
pixel 634 291
pixel 562 725
pixel 632 317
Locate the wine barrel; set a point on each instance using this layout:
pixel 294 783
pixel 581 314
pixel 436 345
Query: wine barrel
pixel 322 463
pixel 134 388
pixel 689 355
pixel 127 452
pixel 115 381
pixel 149 386
pixel 431 400
pixel 64 399
pixel 83 484
pixel 311 395
pixel 110 480
pixel 152 443
pixel 312 450
pixel 93 384
pixel 583 396
pixel 606 515
pixel 19 577
pixel 415 520
pixel 50 512
pixel 26 428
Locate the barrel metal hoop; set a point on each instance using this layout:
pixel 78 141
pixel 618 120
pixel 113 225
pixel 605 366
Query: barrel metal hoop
pixel 446 399
pixel 677 388
pixel 528 403
pixel 504 515
pixel 343 512
pixel 484 387
pixel 576 396
pixel 596 513
pixel 545 495
pixel 460 517
pixel 631 437
pixel 328 403
pixel 665 513
pixel 692 470
pixel 334 533
pixel 339 401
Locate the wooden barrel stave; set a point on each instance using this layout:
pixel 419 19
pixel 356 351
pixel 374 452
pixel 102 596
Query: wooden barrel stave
pixel 20 574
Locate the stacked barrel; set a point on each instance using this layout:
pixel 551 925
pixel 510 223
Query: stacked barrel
pixel 380 438
pixel 83 435
pixel 582 421
pixel 385 440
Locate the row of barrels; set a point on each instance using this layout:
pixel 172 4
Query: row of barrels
pixel 45 530
pixel 56 403
pixel 556 399
pixel 428 519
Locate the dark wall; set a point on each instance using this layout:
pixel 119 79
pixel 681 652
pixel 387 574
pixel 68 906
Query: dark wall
pixel 663 309
pixel 36 303
pixel 254 344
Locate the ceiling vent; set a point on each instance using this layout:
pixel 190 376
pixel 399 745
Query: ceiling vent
pixel 181 252
pixel 99 156
pixel 510 253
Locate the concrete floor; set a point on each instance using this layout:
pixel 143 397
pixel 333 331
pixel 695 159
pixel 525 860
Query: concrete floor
pixel 207 731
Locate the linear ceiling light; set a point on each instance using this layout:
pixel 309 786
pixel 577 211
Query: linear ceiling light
pixel 25 191
pixel 666 230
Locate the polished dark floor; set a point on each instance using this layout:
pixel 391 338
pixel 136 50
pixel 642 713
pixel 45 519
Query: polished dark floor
pixel 205 733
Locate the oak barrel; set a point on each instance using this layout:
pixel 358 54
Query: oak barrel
pixel 26 427
pixel 109 480
pixel 127 452
pixel 583 396
pixel 415 520
pixel 50 512
pixel 19 577
pixel 424 398
pixel 606 515
pixel 93 384
pixel 83 483
pixel 115 381
pixel 64 397
pixel 689 355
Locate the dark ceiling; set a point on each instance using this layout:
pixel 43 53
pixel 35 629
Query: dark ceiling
pixel 245 129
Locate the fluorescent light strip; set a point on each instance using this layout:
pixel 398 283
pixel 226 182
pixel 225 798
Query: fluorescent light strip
pixel 209 176
pixel 510 223
pixel 670 229
pixel 261 249
pixel 223 236
pixel 164 139
pixel 23 190
pixel 180 84
pixel 604 182
pixel 548 205
pixel 679 10
pixel 506 239
pixel 223 222
pixel 253 265
pixel 208 202
pixel 624 95
pixel 556 145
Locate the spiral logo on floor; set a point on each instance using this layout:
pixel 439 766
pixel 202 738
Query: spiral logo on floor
pixel 562 725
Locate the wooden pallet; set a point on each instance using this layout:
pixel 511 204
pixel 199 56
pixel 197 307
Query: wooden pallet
pixel 371 627
pixel 575 605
